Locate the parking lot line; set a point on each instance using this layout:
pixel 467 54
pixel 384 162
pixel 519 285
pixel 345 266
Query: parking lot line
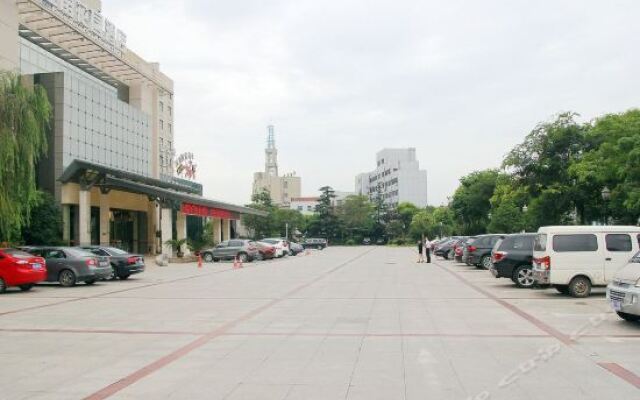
pixel 622 373
pixel 162 362
pixel 565 339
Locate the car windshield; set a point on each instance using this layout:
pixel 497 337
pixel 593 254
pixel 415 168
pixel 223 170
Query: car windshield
pixel 17 253
pixel 116 251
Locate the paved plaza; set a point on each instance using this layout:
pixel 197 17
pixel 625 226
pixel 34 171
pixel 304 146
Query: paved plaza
pixel 344 323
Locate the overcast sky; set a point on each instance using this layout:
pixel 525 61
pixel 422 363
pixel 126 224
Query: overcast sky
pixel 462 81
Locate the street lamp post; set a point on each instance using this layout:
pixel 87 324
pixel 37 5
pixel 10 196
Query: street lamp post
pixel 606 196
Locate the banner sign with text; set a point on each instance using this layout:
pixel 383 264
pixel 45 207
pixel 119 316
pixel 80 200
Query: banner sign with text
pixel 204 211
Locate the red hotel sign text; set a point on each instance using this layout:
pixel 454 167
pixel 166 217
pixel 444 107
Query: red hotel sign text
pixel 204 211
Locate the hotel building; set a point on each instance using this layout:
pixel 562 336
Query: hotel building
pixel 112 136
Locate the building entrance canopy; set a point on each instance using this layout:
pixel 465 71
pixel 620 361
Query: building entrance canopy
pixel 183 196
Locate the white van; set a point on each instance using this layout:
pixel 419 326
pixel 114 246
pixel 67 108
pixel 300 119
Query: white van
pixel 576 258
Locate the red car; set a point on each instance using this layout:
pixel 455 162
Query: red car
pixel 266 251
pixel 18 268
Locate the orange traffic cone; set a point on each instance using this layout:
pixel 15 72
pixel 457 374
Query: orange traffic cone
pixel 199 260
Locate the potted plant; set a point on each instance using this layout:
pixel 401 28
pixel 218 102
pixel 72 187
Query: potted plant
pixel 177 245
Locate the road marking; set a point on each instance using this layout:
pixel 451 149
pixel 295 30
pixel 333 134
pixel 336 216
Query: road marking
pixel 622 373
pixel 515 309
pixel 162 362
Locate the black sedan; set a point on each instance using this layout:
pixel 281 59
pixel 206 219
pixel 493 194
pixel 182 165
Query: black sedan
pixel 512 257
pixel 124 264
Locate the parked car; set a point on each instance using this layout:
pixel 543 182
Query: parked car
pixel 281 245
pixel 315 243
pixel 479 251
pixel 266 251
pixel 244 250
pixel 366 241
pixel 624 291
pixel 464 254
pixel 296 248
pixel 70 265
pixel 124 264
pixel 576 258
pixel 445 249
pixel 512 258
pixel 21 269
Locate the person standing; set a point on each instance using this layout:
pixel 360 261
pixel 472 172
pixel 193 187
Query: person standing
pixel 427 249
pixel 420 256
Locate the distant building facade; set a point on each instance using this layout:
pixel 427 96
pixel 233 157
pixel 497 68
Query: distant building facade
pixel 281 188
pixel 307 205
pixel 397 178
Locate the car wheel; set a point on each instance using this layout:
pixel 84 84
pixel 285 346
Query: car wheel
pixel 207 257
pixel 124 277
pixel 26 288
pixel 580 286
pixel 523 276
pixel 90 282
pixel 485 262
pixel 242 257
pixel 67 278
pixel 564 289
pixel 3 285
pixel 628 317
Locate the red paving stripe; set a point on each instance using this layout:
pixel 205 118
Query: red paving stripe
pixel 384 335
pixel 622 373
pixel 149 369
pixel 566 339
pixel 109 293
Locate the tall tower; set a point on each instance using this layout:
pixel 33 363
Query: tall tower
pixel 271 153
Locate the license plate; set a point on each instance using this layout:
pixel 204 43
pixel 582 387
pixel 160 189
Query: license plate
pixel 104 264
pixel 616 304
pixel 36 266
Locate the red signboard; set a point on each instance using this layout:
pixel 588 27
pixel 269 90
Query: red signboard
pixel 204 211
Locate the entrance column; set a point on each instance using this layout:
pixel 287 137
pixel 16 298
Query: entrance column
pixel 166 227
pixel 226 229
pixel 181 231
pixel 66 223
pixel 217 230
pixel 152 226
pixel 104 219
pixel 84 217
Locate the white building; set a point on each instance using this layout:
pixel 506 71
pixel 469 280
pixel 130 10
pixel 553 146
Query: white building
pixel 397 177
pixel 307 205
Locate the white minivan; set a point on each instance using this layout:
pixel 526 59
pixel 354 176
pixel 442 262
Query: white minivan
pixel 575 258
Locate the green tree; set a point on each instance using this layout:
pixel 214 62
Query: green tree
pixel 45 225
pixel 471 201
pixel 541 166
pixel 283 216
pixel 506 218
pixel 260 226
pixel 327 220
pixel 24 120
pixel 356 217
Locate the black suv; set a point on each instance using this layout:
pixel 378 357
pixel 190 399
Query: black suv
pixel 478 252
pixel 512 258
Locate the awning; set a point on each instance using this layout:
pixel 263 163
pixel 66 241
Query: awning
pixel 89 174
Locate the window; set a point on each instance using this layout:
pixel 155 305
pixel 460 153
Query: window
pixel 540 242
pixel 170 128
pixel 618 242
pixel 564 243
pixel 161 107
pixel 235 243
pixel 300 208
pixel 170 109
pixel 161 124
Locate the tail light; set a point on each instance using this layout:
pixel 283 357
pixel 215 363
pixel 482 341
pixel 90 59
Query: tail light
pixel 459 250
pixel 498 255
pixel 132 260
pixel 91 262
pixel 22 262
pixel 543 262
pixel 472 249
